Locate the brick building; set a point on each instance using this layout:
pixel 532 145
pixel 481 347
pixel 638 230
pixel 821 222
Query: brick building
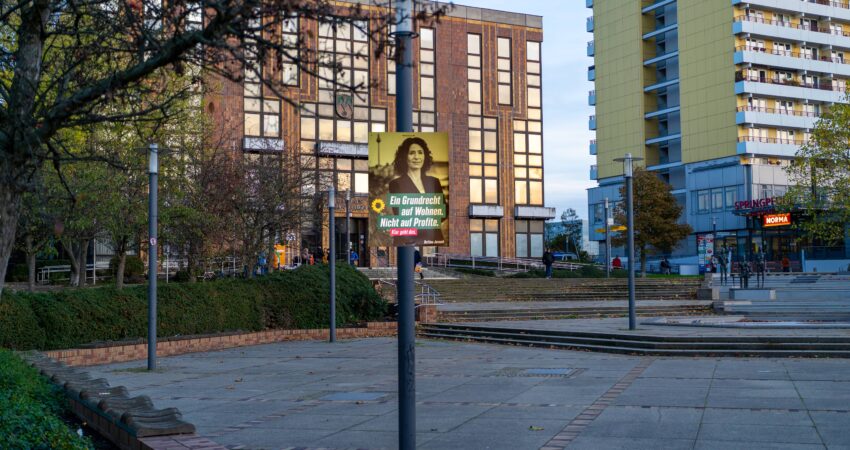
pixel 477 76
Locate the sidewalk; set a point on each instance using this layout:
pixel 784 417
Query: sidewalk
pixel 472 396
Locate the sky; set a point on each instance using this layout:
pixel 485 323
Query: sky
pixel 566 160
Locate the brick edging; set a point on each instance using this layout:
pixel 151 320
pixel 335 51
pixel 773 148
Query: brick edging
pixel 139 351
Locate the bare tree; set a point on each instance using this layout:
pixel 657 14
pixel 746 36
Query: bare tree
pixel 64 63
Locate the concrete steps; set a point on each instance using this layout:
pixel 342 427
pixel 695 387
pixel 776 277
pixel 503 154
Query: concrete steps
pixel 645 343
pixel 567 313
pixel 816 309
pixel 536 289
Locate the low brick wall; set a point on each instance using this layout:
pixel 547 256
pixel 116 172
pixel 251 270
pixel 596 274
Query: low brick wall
pixel 177 346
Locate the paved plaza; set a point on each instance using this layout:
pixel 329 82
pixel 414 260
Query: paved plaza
pixel 477 396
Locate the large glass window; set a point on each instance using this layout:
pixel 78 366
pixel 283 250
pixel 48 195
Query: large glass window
pixel 483 134
pixel 484 237
pixel 289 36
pixel 261 113
pixel 503 70
pixel 529 238
pixel 731 194
pixel 425 119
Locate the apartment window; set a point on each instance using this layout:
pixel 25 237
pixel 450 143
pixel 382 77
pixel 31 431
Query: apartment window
pixel 809 53
pixel 703 201
pixel 731 194
pixel 782 19
pixel 785 136
pixel 757 134
pixel 785 106
pixel 194 16
pixel 836 28
pixel 484 237
pixel 782 48
pixel 529 238
pixel 809 80
pixel 425 119
pixel 756 45
pixel 837 57
pixel 503 70
pixel 757 104
pixel 766 191
pixel 782 77
pixel 289 37
pixel 809 24
pixel 483 136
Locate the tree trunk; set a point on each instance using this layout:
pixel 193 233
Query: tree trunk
pixel 119 271
pixel 30 263
pixel 10 202
pixel 75 271
pixel 270 251
pixel 81 263
pixel 191 262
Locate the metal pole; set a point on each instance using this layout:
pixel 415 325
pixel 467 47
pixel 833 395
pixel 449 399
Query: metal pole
pixel 607 243
pixel 332 259
pixel 152 220
pixel 631 244
pixel 404 287
pixel 348 226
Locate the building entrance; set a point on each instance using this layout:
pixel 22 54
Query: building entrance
pixel 358 235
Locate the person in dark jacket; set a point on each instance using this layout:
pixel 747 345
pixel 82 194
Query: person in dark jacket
pixel 548 260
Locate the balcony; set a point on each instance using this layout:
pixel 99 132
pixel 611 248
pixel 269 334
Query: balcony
pixel 590 48
pixel 588 3
pixel 591 73
pixel 825 8
pixel 790 32
pixel 662 139
pixel 261 144
pixel 660 58
pixel 591 123
pixel 662 112
pixel 660 31
pixel 593 146
pixel 661 85
pixel 591 98
pixel 534 212
pixel 594 172
pixel 745 54
pixel 486 211
pixel 822 91
pixel 590 24
pixel 768 146
pixel 656 5
pixel 779 118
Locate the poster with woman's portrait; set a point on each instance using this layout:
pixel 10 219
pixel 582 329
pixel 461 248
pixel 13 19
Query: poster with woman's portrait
pixel 409 189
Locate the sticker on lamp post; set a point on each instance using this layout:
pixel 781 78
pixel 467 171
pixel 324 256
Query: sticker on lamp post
pixel 409 189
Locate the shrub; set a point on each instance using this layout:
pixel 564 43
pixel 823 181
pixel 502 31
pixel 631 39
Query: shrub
pixel 292 299
pixel 134 268
pixel 30 410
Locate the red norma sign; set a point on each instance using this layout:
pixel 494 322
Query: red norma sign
pixel 776 220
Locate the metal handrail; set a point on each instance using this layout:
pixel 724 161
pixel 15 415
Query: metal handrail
pixel 789 112
pixel 43 274
pixel 427 295
pixel 493 262
pixel 790 54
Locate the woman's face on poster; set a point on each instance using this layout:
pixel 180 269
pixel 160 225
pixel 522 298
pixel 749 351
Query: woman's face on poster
pixel 415 157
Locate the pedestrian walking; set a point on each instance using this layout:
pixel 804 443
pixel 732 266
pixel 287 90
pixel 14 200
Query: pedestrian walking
pixel 616 263
pixel 786 264
pixel 665 266
pixel 417 264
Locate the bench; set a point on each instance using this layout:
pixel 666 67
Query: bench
pixel 123 420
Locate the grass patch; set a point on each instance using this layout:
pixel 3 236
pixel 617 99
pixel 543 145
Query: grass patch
pixel 31 410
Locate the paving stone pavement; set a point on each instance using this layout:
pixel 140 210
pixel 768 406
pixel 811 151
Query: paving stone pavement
pixel 480 396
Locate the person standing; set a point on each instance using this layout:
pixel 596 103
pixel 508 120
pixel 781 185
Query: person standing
pixel 417 264
pixel 548 260
pixel 665 266
pixel 786 264
pixel 616 263
pixel 723 265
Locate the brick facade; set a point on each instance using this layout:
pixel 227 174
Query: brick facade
pixel 451 108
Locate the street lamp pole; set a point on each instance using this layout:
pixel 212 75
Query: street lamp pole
pixel 630 224
pixel 607 242
pixel 332 259
pixel 153 170
pixel 404 287
pixel 348 226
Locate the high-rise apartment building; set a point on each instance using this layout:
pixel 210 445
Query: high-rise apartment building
pixel 716 96
pixel 476 75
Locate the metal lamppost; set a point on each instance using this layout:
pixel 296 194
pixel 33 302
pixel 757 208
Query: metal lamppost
pixel 630 224
pixel 153 170
pixel 332 259
pixel 348 226
pixel 404 286
pixel 607 242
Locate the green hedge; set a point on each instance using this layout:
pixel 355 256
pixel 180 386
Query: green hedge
pixel 288 300
pixel 31 410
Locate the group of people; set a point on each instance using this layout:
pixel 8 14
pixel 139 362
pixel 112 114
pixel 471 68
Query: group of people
pixel 321 256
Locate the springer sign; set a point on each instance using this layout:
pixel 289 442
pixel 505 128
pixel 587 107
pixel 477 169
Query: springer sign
pixel 776 220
